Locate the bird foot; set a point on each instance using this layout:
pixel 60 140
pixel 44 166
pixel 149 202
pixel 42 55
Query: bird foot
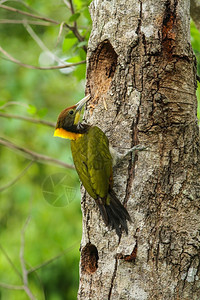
pixel 135 148
pixel 118 157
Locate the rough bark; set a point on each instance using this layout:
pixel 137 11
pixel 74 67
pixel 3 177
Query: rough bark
pixel 141 66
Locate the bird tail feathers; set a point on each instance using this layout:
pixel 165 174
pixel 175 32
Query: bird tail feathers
pixel 115 214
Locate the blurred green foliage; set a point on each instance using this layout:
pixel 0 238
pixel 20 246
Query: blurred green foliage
pixel 54 228
pixel 195 41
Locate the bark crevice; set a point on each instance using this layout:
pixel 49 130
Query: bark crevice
pixel 101 69
pixel 113 278
pixel 89 258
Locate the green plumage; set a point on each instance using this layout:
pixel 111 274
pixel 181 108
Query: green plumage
pixel 93 163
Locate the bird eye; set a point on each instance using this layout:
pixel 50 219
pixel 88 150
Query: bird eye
pixel 71 112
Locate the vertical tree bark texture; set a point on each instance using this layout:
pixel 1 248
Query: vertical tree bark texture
pixel 141 66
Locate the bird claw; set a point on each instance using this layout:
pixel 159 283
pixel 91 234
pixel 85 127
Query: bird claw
pixel 118 158
pixel 136 148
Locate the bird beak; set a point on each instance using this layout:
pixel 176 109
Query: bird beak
pixel 81 103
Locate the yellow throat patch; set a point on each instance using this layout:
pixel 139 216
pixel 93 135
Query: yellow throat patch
pixel 66 134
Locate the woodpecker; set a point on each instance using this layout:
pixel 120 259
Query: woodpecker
pixel 94 164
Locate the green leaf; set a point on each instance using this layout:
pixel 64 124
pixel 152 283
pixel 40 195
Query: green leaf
pixel 87 15
pixel 82 54
pixel 69 43
pixel 70 35
pixel 86 34
pixel 80 72
pixel 42 112
pixel 81 44
pixel 2 102
pixel 74 17
pixel 31 109
pixel 78 3
pixel 74 59
pixel 195 37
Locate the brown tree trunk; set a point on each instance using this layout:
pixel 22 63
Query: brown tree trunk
pixel 142 68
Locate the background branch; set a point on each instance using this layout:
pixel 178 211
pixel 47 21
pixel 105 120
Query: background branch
pixel 72 12
pixel 17 178
pixel 10 21
pixel 71 7
pixel 28 119
pixel 60 32
pixel 10 262
pixel 23 264
pixel 34 156
pixel 28 14
pixel 66 3
pixel 52 259
pixel 38 68
pixel 13 103
pixel 11 287
pixel 40 43
pixel 74 28
pixel 21 2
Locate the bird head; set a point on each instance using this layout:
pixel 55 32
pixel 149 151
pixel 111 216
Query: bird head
pixel 67 123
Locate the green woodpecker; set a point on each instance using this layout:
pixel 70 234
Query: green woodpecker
pixel 94 164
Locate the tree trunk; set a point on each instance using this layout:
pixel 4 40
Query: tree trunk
pixel 142 68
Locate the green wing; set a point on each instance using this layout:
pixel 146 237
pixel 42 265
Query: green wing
pixel 93 161
pixel 79 153
pixel 99 161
